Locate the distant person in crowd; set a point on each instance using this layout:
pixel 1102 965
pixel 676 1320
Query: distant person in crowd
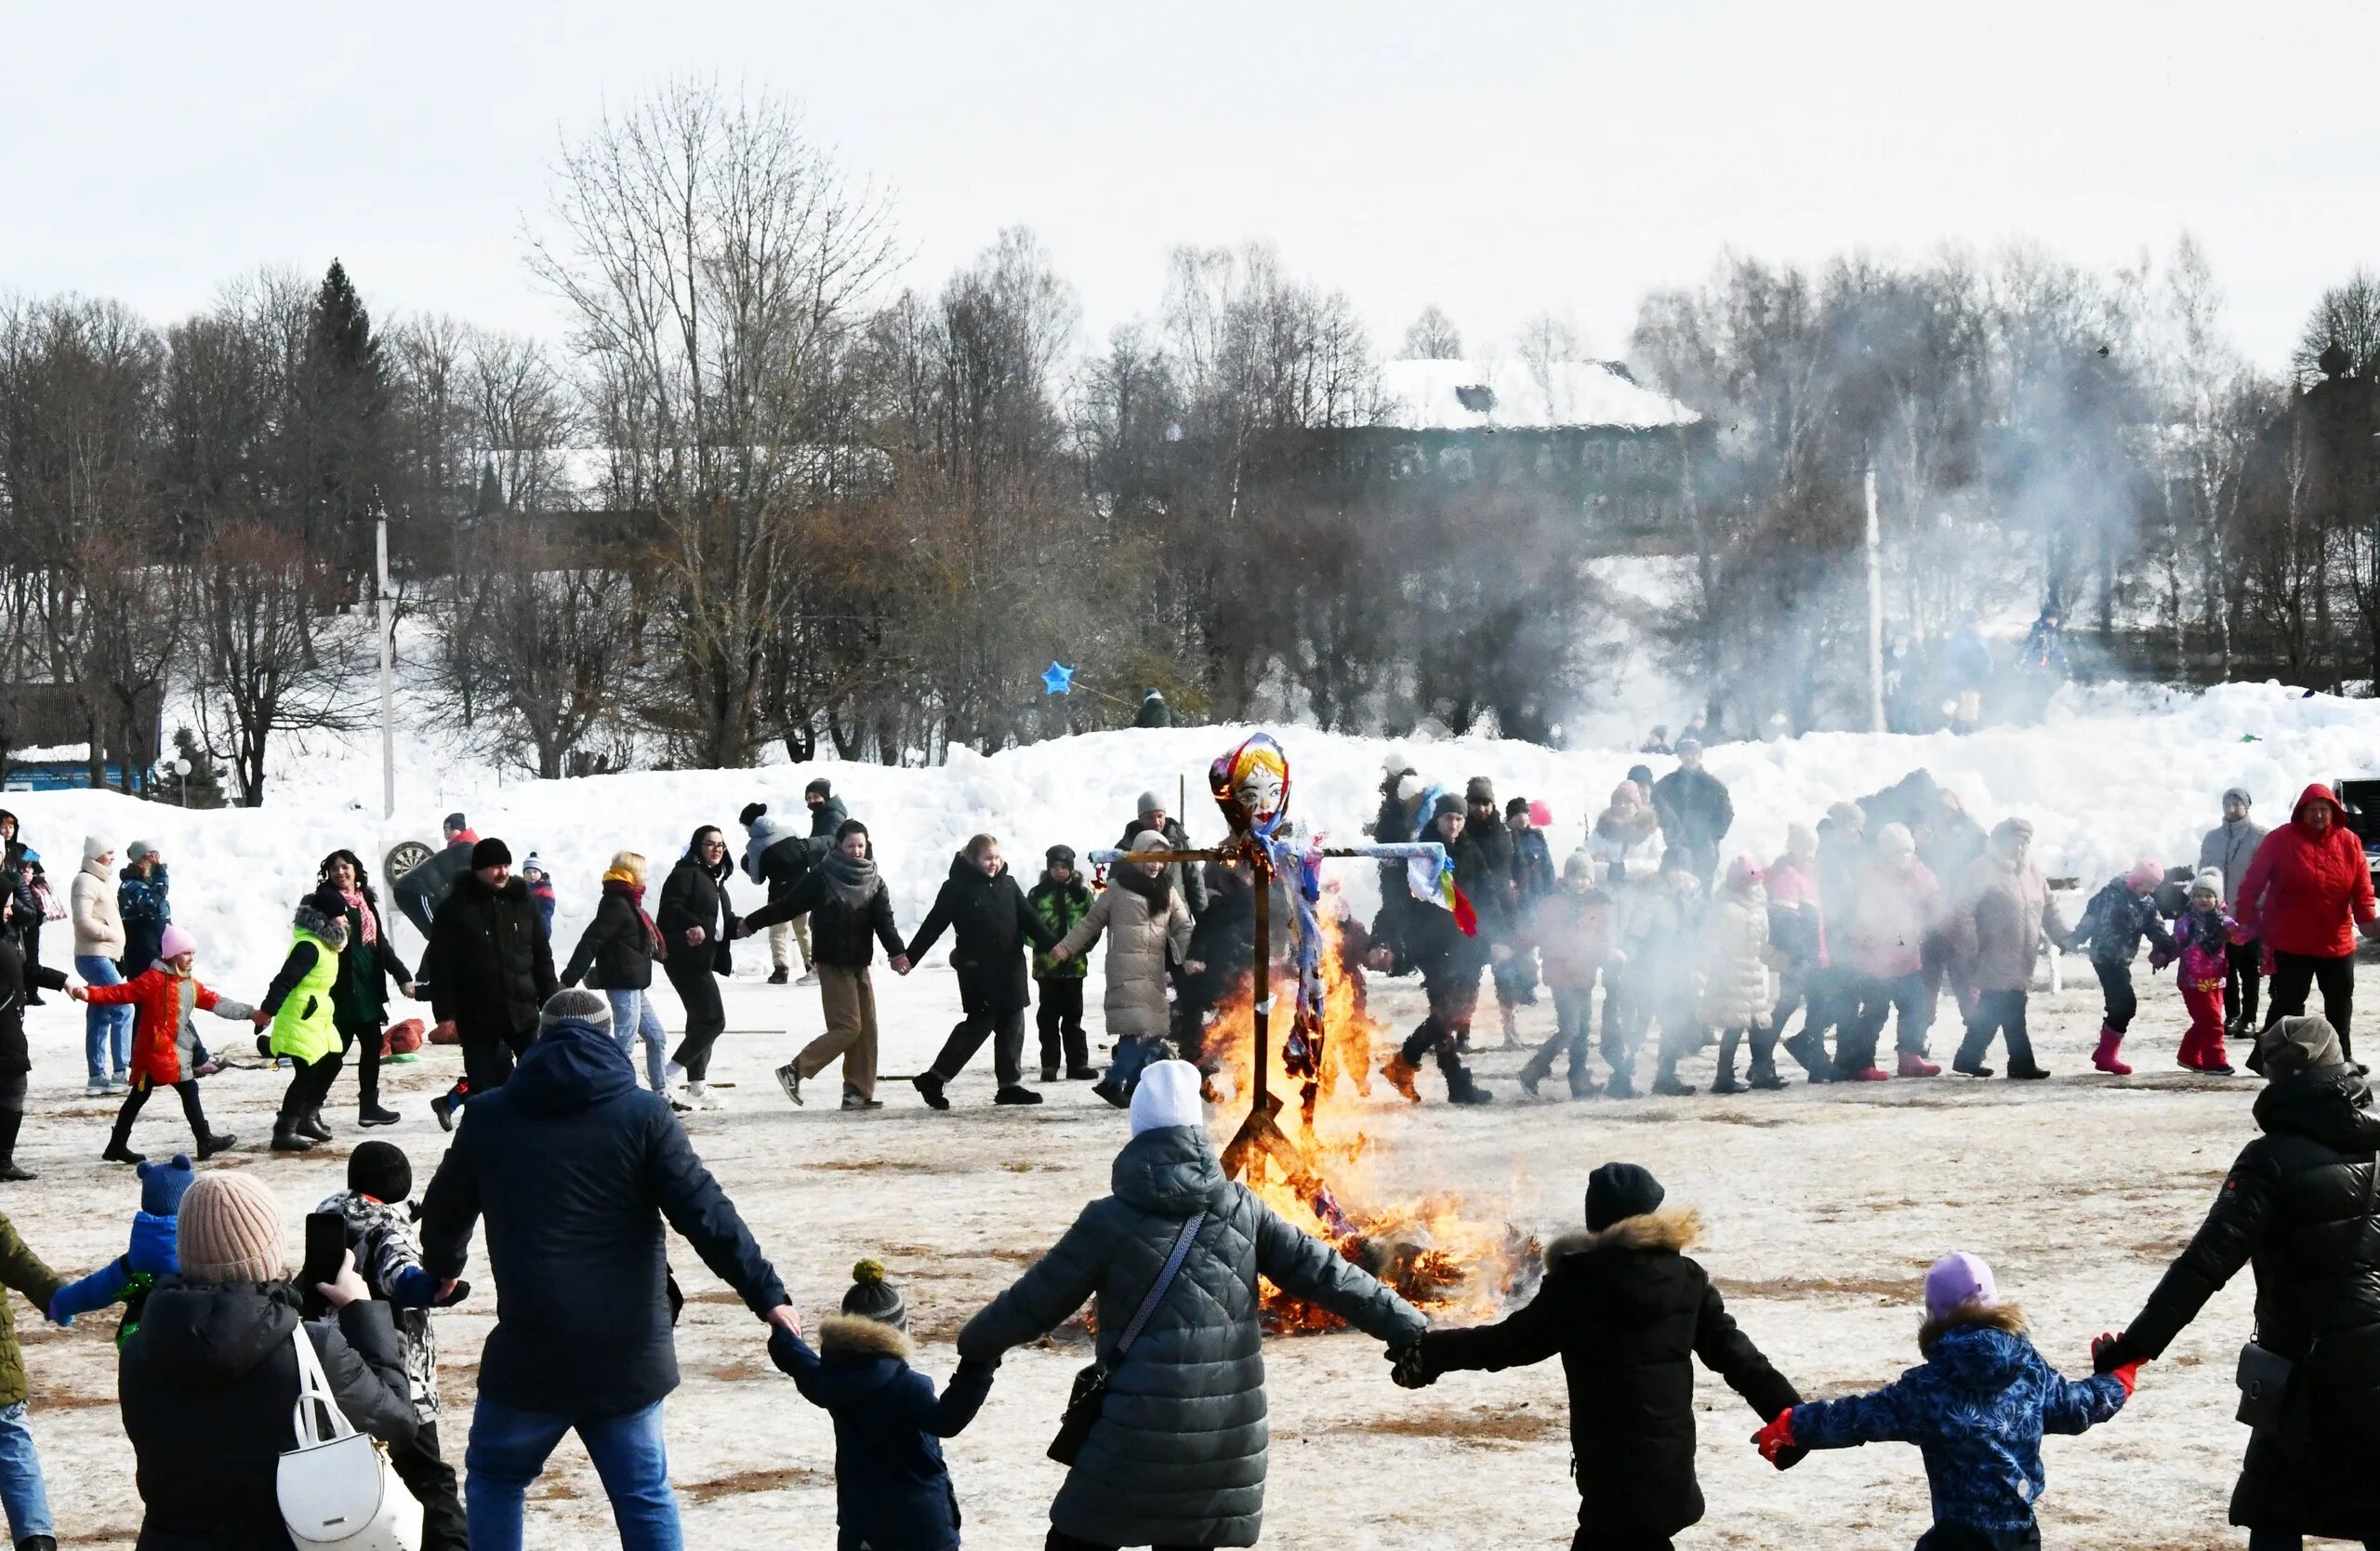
pixel 1185 1407
pixel 2307 893
pixel 2003 911
pixel 1657 742
pixel 851 912
pixel 1658 935
pixel 422 891
pixel 540 884
pixel 697 922
pixel 980 904
pixel 168 1052
pixel 574 1176
pixel 208 1379
pixel 2297 1208
pixel 1842 864
pixel 387 1259
pixel 1145 924
pixel 1400 819
pixel 1533 879
pixel 1898 907
pixel 490 968
pixel 1977 1408
pixel 1695 809
pixel 1187 878
pixel 2124 912
pixel 1154 711
pixel 1421 935
pixel 1062 899
pixel 1795 924
pixel 1492 862
pixel 2041 665
pixel 142 900
pixel 305 1031
pixel 779 855
pixel 1629 1312
pixel 16 978
pixel 368 966
pixel 615 955
pixel 20 907
pixel 2204 938
pixel 1572 932
pixel 98 944
pixel 1626 839
pixel 1735 959
pixel 2227 849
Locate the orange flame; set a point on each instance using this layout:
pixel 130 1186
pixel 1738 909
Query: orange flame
pixel 1443 1260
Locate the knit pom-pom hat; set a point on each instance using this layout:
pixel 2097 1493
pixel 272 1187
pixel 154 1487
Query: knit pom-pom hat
pixel 871 1297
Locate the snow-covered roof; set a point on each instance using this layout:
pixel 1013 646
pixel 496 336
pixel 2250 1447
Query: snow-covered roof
pixel 1446 395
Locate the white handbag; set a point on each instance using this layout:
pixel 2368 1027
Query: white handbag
pixel 334 1486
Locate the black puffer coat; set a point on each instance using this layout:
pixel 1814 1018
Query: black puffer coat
pixel 615 952
pixel 1629 1312
pixel 489 965
pixel 207 1383
pixel 841 933
pixel 16 977
pixel 2298 1205
pixel 1177 1456
pixel 694 895
pixel 992 924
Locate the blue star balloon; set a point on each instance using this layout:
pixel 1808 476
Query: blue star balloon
pixel 1059 680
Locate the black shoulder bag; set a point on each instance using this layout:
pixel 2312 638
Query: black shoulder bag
pixel 1090 1385
pixel 2266 1378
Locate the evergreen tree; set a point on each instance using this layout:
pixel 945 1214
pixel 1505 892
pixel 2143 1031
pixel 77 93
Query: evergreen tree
pixel 204 782
pixel 342 419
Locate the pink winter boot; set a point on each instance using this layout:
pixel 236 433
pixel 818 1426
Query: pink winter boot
pixel 2110 1042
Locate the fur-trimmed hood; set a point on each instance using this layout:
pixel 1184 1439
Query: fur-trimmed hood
pixel 1978 1349
pixel 330 928
pixel 1674 1230
pixel 856 1335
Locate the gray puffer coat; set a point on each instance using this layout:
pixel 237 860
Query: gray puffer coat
pixel 1137 940
pixel 1177 1457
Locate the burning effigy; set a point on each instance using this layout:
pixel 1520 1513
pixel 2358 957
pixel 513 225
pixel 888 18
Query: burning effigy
pixel 1317 1163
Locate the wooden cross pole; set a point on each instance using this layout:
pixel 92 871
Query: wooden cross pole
pixel 1261 1133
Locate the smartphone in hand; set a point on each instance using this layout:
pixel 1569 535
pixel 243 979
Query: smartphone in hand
pixel 325 1251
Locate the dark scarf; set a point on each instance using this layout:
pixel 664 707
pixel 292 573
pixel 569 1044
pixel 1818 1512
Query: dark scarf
pixel 851 879
pixel 1153 890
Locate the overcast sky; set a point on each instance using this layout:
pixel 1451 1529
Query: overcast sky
pixel 1500 160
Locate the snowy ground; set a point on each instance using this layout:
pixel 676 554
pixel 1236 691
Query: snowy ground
pixel 1823 1207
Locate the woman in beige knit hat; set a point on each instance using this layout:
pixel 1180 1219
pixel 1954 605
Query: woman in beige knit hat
pixel 208 1379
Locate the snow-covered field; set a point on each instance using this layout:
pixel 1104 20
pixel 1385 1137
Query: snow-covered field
pixel 1822 1206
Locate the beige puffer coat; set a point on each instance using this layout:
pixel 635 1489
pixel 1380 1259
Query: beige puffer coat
pixel 2004 910
pixel 1735 959
pixel 90 903
pixel 1137 939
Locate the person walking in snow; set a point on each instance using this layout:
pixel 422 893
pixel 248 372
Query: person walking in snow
pixel 2124 912
pixel 490 967
pixel 2307 893
pixel 615 955
pixel 380 1238
pixel 1422 935
pixel 1177 1455
pixel 1571 930
pixel 982 905
pixel 142 900
pixel 368 966
pixel 168 1052
pixel 696 923
pixel 2297 1208
pixel 1659 933
pixel 1629 1312
pixel 1977 1408
pixel 98 944
pixel 1895 911
pixel 2002 913
pixel 1062 899
pixel 851 911
pixel 16 978
pixel 1695 809
pixel 1491 861
pixel 305 1031
pixel 2227 851
pixel 2204 940
pixel 1626 840
pixel 1145 922
pixel 1735 958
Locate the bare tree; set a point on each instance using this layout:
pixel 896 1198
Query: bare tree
pixel 1432 336
pixel 265 669
pixel 2344 325
pixel 717 260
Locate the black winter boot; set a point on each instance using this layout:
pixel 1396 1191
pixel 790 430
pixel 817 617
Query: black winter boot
pixel 11 1122
pixel 1726 1082
pixel 286 1137
pixel 1667 1082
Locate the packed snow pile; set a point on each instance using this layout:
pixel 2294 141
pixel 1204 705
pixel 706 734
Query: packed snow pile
pixel 1513 395
pixel 2109 777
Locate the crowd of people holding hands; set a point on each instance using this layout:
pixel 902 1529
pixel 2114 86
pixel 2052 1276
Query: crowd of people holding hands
pixel 571 1172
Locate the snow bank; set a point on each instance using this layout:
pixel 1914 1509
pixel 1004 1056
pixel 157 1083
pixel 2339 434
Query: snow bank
pixel 1428 395
pixel 2110 776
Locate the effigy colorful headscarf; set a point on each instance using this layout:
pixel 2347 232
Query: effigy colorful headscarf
pixel 1251 785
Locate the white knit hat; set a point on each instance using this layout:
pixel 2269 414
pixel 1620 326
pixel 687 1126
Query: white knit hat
pixel 2208 881
pixel 1167 1094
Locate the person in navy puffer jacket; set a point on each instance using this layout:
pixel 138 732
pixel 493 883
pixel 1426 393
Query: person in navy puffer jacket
pixel 2118 917
pixel 892 1490
pixel 1977 1408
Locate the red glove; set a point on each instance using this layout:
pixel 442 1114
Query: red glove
pixel 2128 1374
pixel 1778 1437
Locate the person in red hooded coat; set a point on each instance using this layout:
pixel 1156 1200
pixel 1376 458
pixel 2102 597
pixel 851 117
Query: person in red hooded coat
pixel 2304 895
